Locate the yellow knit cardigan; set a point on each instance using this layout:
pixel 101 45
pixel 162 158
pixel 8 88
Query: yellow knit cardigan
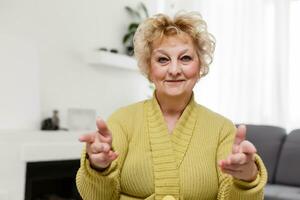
pixel 156 165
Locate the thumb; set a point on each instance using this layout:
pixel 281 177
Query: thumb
pixel 247 147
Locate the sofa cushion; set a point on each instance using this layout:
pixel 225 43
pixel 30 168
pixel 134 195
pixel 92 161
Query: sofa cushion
pixel 268 142
pixel 281 192
pixel 288 170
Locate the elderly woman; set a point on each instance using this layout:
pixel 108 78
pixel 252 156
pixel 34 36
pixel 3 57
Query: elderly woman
pixel 170 147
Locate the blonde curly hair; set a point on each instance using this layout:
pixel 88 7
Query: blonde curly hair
pixel 161 25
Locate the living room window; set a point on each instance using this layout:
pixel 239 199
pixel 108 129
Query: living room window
pixel 294 64
pixel 254 77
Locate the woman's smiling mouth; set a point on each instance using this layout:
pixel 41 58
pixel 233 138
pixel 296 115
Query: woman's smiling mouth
pixel 174 81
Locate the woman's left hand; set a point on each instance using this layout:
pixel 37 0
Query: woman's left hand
pixel 240 163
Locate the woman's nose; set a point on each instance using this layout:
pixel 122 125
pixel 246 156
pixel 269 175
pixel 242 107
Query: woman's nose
pixel 174 68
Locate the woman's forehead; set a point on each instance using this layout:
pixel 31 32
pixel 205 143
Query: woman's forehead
pixel 173 41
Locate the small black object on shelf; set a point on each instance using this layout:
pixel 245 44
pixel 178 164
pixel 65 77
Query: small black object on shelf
pixel 110 50
pixel 130 50
pixel 103 49
pixel 51 123
pixel 114 51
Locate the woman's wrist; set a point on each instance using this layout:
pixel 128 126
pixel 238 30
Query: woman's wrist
pixel 253 174
pixel 93 166
pixel 99 169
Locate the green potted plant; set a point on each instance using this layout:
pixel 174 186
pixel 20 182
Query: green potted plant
pixel 138 15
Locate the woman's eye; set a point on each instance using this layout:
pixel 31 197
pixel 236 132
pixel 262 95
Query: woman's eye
pixel 186 58
pixel 163 60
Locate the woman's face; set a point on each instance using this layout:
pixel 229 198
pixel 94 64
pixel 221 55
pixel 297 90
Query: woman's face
pixel 174 65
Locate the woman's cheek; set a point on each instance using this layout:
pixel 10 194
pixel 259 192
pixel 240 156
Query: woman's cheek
pixel 158 72
pixel 192 71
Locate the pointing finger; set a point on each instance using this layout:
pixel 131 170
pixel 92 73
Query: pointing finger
pixel 239 137
pixel 102 127
pixel 89 138
pixel 240 134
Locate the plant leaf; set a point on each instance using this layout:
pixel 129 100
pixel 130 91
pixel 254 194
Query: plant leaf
pixel 144 8
pixel 132 27
pixel 133 12
pixel 129 10
pixel 127 37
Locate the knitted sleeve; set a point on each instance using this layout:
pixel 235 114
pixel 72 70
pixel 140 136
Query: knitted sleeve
pixel 229 187
pixel 95 185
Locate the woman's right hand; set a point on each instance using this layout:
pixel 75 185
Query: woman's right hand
pixel 99 146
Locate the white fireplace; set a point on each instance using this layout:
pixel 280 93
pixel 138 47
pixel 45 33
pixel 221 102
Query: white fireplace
pixel 19 147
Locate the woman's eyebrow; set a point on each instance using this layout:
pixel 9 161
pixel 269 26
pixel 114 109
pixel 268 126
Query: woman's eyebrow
pixel 162 51
pixel 184 51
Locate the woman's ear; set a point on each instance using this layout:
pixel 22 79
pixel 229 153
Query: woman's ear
pixel 200 73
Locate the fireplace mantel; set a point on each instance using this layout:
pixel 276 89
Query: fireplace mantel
pixel 19 147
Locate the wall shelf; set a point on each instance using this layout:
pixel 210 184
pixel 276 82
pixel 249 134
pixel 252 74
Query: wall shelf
pixel 112 59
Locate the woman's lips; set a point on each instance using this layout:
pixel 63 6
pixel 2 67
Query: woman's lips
pixel 175 81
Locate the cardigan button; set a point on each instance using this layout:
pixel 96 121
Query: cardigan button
pixel 168 197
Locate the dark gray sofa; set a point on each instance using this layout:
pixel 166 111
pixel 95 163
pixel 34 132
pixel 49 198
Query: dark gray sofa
pixel 281 154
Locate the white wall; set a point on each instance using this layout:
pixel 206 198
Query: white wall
pixel 170 7
pixel 19 83
pixel 61 32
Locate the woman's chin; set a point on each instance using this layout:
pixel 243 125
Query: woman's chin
pixel 176 92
